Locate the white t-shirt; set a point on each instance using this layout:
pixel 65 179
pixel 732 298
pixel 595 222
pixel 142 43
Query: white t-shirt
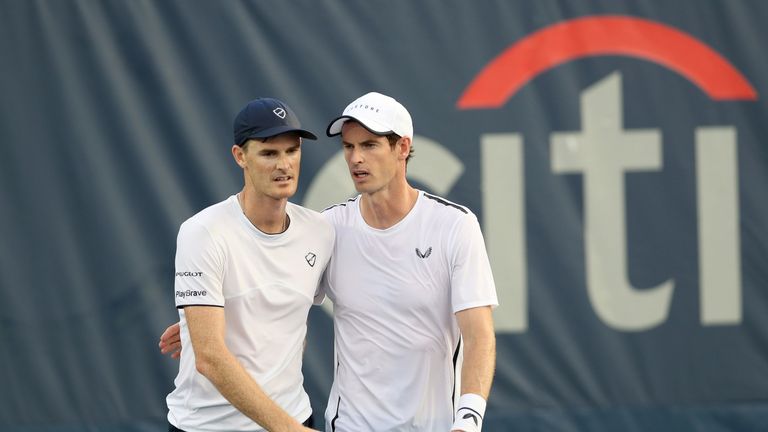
pixel 266 284
pixel 395 293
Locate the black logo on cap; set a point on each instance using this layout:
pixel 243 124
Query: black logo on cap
pixel 311 259
pixel 425 254
pixel 279 112
pixel 363 106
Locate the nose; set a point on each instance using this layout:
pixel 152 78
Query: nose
pixel 283 162
pixel 355 155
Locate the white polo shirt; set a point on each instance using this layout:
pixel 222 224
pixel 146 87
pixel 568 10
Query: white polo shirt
pixel 266 284
pixel 395 293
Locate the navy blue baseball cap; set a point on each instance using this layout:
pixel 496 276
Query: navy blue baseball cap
pixel 264 118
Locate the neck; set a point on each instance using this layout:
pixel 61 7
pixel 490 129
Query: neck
pixel 265 213
pixel 384 208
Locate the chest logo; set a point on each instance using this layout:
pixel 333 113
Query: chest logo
pixel 311 259
pixel 424 254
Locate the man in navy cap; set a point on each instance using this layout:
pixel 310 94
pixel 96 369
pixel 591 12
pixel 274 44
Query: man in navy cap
pixel 247 271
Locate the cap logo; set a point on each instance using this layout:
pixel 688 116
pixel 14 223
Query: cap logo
pixel 279 112
pixel 364 106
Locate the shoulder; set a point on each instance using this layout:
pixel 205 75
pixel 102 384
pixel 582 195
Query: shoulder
pixel 304 212
pixel 447 216
pixel 438 205
pixel 308 216
pixel 210 219
pixel 342 210
pixel 211 216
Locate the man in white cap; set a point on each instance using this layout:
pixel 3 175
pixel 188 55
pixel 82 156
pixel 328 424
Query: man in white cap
pixel 247 271
pixel 412 290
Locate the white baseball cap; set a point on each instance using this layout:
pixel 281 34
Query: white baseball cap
pixel 378 113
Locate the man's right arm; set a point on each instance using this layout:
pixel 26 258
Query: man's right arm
pixel 214 361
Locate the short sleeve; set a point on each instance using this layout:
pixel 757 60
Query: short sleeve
pixel 472 282
pixel 199 268
pixel 321 289
pixel 322 286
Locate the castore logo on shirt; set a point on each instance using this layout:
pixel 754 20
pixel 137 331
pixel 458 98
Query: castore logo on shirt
pixel 425 254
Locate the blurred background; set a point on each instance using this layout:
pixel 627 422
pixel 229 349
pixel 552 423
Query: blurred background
pixel 616 154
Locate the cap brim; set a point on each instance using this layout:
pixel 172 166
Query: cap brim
pixel 374 127
pixel 266 133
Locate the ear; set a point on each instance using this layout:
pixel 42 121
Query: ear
pixel 239 154
pixel 403 147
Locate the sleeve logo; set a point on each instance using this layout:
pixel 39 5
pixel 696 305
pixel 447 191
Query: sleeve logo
pixel 191 293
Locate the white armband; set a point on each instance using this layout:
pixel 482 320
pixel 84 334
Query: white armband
pixel 469 414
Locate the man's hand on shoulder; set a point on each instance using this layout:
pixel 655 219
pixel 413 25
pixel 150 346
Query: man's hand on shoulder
pixel 170 341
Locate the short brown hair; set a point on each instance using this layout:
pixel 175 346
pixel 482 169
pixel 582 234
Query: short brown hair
pixel 393 138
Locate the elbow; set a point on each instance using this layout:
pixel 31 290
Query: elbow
pixel 204 363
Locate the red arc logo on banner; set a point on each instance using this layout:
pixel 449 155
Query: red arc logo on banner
pixel 599 36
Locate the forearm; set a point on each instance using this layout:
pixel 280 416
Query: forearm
pixel 216 362
pixel 242 391
pixel 476 326
pixel 479 364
